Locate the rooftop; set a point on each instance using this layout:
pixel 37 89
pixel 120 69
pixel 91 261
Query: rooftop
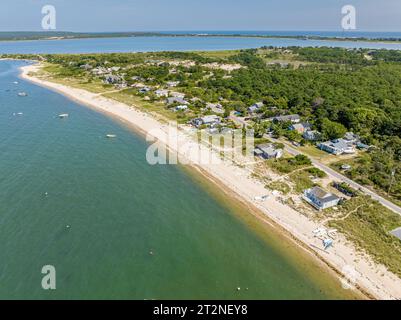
pixel 397 233
pixel 322 194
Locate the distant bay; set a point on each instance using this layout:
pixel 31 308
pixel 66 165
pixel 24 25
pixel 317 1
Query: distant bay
pixel 179 43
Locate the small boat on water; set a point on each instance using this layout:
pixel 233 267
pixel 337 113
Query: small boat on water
pixel 64 115
pixel 22 94
pixel 16 82
pixel 111 136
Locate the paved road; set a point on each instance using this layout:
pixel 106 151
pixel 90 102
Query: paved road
pixel 343 178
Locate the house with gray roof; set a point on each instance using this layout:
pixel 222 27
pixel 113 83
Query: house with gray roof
pixel 210 121
pixel 301 127
pixel 352 137
pixel 255 107
pixel 161 93
pixel 268 151
pixel 112 79
pixel 311 135
pixel 172 100
pixel 397 233
pixel 320 198
pixel 337 147
pixel 294 118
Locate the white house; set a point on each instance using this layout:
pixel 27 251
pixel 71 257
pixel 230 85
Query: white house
pixel 320 199
pixel 209 121
pixel 172 100
pixel 338 147
pixel 268 151
pixel 172 83
pixel 311 135
pixel 161 93
pixel 180 108
pixel 294 118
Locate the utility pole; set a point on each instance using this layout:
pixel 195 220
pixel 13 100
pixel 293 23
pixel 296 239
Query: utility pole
pixel 391 182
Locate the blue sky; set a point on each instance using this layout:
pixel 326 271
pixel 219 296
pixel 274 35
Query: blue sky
pixel 140 15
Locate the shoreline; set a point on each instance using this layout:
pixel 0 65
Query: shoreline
pixel 374 281
pixel 246 36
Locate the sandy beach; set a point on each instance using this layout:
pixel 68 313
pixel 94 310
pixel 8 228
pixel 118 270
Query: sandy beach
pixel 374 280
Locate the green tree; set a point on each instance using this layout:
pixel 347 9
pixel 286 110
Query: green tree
pixel 332 130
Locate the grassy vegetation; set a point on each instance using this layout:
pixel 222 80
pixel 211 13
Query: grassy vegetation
pixel 316 172
pixel 288 165
pixel 127 97
pixel 301 180
pixel 62 75
pixel 374 169
pixel 280 186
pixel 314 152
pixel 223 54
pixel 368 224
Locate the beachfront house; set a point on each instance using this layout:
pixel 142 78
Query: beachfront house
pixel 179 100
pixel 144 90
pixel 294 118
pixel 320 198
pixel 177 94
pixel 99 71
pixel 162 93
pixel 268 151
pixel 311 135
pixel 215 107
pixel 255 107
pixel 112 79
pixel 137 85
pixel 114 69
pixel 337 147
pixel 352 138
pixel 86 66
pixel 209 121
pixel 180 108
pixel 172 83
pixel 301 127
pixel 362 146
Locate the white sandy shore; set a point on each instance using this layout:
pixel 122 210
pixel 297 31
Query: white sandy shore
pixel 371 278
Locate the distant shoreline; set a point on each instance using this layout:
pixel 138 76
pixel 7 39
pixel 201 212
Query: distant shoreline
pixel 57 36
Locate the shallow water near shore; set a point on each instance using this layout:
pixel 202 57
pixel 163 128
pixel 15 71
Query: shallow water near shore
pixel 115 227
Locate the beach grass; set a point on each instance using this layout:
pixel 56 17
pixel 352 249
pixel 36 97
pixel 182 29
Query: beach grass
pixel 301 180
pixel 359 220
pixel 280 186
